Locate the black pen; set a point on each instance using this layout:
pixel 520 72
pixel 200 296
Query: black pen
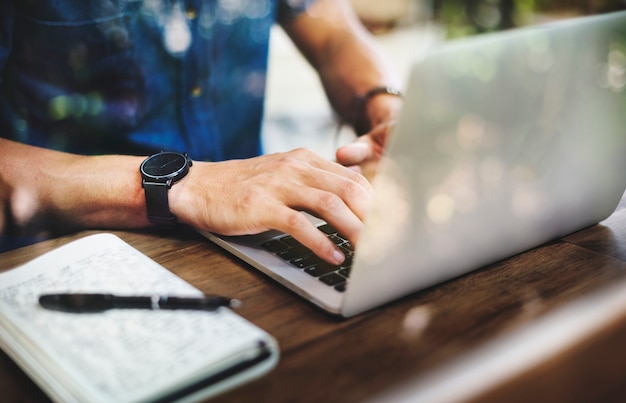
pixel 86 303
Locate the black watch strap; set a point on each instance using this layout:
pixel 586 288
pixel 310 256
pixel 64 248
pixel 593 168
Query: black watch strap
pixel 157 203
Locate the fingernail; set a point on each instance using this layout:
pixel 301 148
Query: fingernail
pixel 338 257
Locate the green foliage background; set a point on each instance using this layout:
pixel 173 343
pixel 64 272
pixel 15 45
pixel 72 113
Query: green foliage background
pixel 470 17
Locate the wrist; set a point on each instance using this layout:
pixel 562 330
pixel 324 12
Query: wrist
pixel 160 173
pixel 376 106
pixel 382 109
pixel 181 196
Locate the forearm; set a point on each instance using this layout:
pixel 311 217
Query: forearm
pixel 352 68
pixel 347 60
pixel 45 188
pixel 235 197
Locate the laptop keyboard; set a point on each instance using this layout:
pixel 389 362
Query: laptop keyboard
pixel 301 257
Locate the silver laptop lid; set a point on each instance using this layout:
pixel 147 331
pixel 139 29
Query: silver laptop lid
pixel 506 141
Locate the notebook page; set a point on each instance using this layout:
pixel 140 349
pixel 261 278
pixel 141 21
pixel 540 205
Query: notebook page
pixel 119 355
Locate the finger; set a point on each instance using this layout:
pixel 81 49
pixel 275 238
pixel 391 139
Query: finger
pixel 309 187
pixel 289 176
pixel 355 168
pixel 336 168
pixel 337 199
pixel 334 210
pixel 298 226
pixel 354 153
pixel 337 190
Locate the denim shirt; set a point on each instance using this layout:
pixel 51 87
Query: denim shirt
pixel 137 76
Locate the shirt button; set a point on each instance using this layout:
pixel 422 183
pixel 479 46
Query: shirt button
pixel 191 13
pixel 196 91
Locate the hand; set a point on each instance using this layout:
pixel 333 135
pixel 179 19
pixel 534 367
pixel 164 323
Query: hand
pixel 240 197
pixel 366 152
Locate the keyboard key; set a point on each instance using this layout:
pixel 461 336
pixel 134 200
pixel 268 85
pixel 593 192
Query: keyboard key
pixel 274 246
pixel 332 279
pixel 345 272
pixel 327 229
pixel 291 241
pixel 347 263
pixel 345 251
pixel 320 269
pixel 294 252
pixel 336 240
pixel 306 261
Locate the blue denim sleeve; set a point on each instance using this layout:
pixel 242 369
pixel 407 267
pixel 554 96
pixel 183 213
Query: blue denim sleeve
pixel 7 15
pixel 290 9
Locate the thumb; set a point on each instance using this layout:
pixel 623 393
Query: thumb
pixel 353 153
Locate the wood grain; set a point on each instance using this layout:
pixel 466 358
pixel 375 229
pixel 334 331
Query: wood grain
pixel 325 358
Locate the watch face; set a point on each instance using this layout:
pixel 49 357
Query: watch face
pixel 164 165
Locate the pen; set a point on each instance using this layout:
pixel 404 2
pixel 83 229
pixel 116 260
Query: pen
pixel 85 303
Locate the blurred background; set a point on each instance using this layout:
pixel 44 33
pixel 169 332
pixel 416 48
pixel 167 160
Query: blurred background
pixel 469 17
pixel 297 113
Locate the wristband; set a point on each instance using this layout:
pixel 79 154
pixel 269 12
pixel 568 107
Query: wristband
pixel 361 124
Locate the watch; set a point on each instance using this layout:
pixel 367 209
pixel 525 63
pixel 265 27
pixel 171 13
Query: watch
pixel 158 173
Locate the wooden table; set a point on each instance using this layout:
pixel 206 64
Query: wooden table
pixel 444 343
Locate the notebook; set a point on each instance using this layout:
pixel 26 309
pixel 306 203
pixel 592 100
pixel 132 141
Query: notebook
pixel 506 141
pixel 123 355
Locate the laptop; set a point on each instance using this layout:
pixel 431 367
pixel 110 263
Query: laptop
pixel 506 141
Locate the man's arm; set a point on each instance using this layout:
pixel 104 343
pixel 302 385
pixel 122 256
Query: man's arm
pixel 41 188
pixel 337 45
